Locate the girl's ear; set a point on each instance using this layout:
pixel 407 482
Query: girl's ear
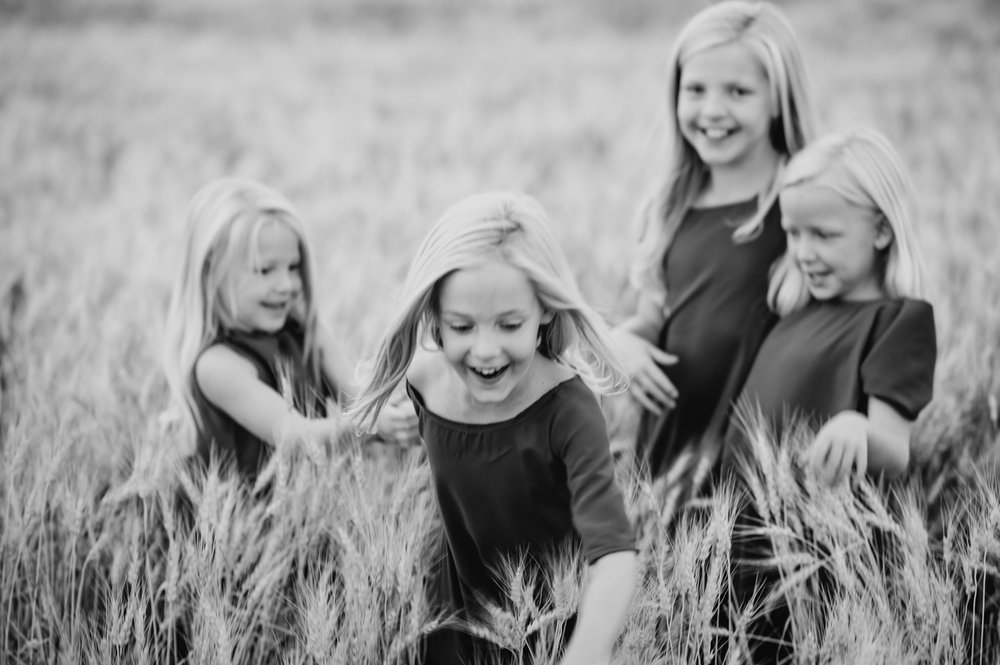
pixel 547 317
pixel 883 235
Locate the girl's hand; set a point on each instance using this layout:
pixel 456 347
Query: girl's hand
pixel 840 445
pixel 647 382
pixel 397 423
pixel 320 436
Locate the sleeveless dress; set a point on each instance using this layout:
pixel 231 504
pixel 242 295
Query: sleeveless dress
pixel 280 363
pixel 717 299
pixel 523 486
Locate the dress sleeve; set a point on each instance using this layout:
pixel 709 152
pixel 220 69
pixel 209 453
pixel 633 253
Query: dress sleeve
pixel 899 367
pixel 580 439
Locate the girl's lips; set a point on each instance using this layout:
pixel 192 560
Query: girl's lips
pixel 491 375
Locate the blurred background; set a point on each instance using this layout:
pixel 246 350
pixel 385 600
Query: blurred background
pixel 372 117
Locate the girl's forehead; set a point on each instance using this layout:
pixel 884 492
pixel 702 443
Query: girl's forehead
pixel 493 285
pixel 805 201
pixel 730 59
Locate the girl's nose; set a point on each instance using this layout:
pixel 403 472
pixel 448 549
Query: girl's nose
pixel 804 250
pixel 713 104
pixel 288 281
pixel 484 345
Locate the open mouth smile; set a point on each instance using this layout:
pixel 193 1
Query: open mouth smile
pixel 716 133
pixel 489 374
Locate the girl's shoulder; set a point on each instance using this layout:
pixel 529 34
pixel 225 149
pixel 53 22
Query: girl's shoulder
pixel 905 314
pixel 426 369
pixel 219 367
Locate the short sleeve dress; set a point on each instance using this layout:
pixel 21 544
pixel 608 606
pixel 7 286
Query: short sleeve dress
pixel 832 356
pixel 716 295
pixel 280 363
pixel 828 357
pixel 521 486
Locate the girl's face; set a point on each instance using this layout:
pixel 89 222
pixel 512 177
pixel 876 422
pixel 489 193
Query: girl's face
pixel 836 245
pixel 724 107
pixel 267 286
pixel 489 317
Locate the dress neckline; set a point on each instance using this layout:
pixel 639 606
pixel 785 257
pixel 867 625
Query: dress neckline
pixel 524 413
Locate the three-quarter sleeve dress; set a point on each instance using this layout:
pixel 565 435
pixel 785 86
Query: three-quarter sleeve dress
pixel 523 486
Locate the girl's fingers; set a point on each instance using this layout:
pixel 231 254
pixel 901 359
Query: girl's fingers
pixel 660 387
pixel 644 400
pixel 862 464
pixel 661 356
pixel 846 464
pixel 655 388
pixel 818 453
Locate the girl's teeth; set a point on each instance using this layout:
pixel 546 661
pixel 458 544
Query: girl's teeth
pixel 716 133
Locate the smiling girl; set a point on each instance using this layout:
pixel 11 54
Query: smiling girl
pixel 855 348
pixel 245 355
pixel 738 109
pixel 517 444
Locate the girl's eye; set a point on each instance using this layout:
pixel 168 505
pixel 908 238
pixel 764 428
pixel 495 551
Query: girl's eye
pixel 459 328
pixel 737 91
pixel 693 88
pixel 511 326
pixel 264 270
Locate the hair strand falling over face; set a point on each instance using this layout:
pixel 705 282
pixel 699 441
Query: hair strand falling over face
pixel 224 223
pixel 515 228
pixel 767 34
pixel 862 167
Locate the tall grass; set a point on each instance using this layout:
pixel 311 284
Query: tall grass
pixel 373 117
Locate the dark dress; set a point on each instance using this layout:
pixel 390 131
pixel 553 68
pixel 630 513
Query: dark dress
pixel 716 295
pixel 826 358
pixel 832 356
pixel 521 486
pixel 281 365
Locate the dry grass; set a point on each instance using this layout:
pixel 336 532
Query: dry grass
pixel 373 117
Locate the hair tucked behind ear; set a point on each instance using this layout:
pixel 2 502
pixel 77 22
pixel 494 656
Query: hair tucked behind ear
pixel 766 33
pixel 863 168
pixel 495 225
pixel 224 222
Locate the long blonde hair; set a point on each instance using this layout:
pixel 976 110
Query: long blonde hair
pixel 224 222
pixel 766 33
pixel 863 168
pixel 482 227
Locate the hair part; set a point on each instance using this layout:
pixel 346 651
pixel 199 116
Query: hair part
pixel 862 167
pixel 515 228
pixel 224 222
pixel 767 34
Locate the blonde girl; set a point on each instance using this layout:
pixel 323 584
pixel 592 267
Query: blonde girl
pixel 245 356
pixel 737 110
pixel 855 348
pixel 494 339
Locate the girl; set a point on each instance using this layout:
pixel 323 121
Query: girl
pixel 711 232
pixel 854 350
pixel 516 442
pixel 244 353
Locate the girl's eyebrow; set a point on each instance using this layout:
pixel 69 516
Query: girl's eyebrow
pixel 510 312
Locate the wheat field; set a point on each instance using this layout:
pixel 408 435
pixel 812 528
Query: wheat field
pixel 373 117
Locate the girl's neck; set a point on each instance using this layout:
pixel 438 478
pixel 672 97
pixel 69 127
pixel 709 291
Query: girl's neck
pixel 739 182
